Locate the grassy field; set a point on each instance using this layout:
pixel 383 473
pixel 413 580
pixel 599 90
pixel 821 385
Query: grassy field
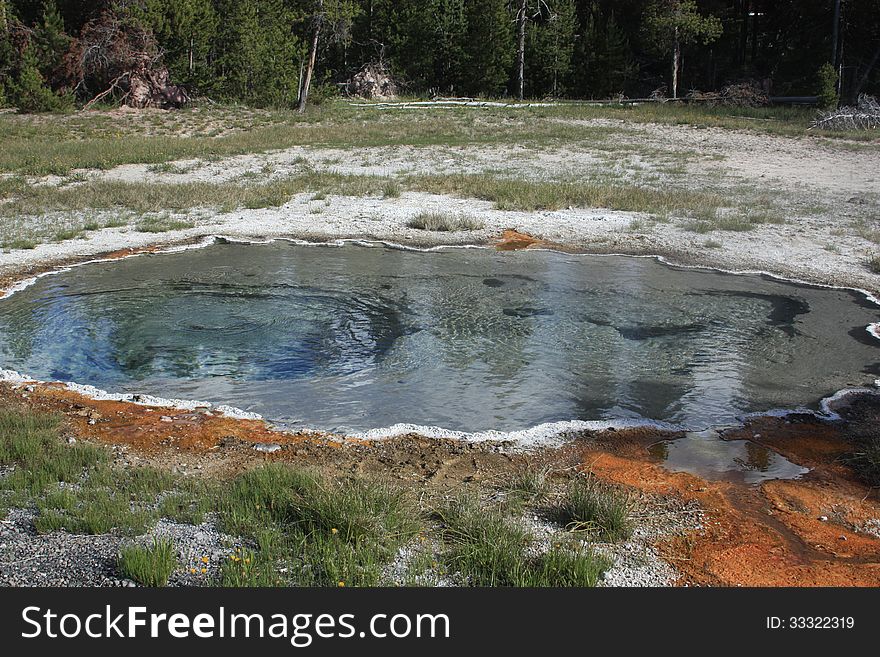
pixel 300 527
pixel 43 145
pixel 58 143
pixel 630 174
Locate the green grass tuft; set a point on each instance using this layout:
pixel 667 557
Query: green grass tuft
pixel 299 527
pixel 437 221
pixel 391 189
pixel 490 549
pixel 593 506
pixel 150 566
pixel 162 225
pixel 325 532
pixel 528 483
pixel 570 566
pixel 31 443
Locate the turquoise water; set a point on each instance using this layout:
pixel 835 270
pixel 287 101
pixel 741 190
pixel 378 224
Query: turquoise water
pixel 354 337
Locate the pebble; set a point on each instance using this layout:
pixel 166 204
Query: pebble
pixel 267 447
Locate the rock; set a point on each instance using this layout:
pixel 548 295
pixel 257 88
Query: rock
pixel 823 518
pixel 166 418
pixel 267 447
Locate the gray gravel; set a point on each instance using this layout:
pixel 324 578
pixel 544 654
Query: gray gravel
pixel 58 559
pixel 62 559
pixel 635 561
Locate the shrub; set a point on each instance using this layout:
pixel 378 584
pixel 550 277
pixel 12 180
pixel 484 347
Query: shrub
pixel 827 87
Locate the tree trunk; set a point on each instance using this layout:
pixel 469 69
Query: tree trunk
pixel 743 32
pixel 521 48
pixel 835 30
pixel 676 58
pixel 310 67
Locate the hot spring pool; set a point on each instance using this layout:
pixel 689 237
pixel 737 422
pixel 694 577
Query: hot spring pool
pixel 352 337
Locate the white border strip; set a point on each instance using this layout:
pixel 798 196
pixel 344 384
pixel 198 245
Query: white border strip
pixel 91 392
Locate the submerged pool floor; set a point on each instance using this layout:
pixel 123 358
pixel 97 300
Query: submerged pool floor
pixel 351 338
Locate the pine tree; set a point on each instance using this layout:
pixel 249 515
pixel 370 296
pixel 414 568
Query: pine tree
pixel 257 52
pixel 826 89
pixel 50 41
pixel 374 30
pixel 487 48
pixel 671 24
pixel 186 30
pixel 27 90
pixel 447 28
pixel 428 44
pixel 550 47
pixel 605 61
pixel 237 48
pixel 330 21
